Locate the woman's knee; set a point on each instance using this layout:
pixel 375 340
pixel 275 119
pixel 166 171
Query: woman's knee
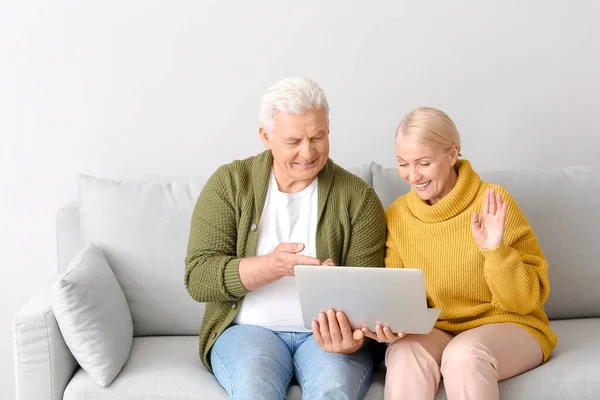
pixel 406 354
pixel 407 345
pixel 464 354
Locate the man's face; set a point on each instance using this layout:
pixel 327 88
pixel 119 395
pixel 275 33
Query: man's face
pixel 300 147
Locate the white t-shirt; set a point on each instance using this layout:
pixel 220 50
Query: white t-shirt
pixel 285 218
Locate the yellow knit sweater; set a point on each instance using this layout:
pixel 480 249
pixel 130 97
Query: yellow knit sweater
pixel 473 287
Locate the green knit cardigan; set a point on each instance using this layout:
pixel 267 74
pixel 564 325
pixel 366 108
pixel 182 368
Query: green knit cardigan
pixel 351 230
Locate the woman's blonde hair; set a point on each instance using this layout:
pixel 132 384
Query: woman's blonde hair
pixel 430 126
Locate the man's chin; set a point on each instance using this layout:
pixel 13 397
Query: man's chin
pixel 306 174
pixel 307 169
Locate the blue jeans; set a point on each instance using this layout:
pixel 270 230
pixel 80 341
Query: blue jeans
pixel 252 362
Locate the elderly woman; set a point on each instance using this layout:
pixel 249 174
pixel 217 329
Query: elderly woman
pixel 483 267
pixel 254 221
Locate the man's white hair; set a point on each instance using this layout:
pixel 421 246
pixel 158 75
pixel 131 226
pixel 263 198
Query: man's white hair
pixel 293 96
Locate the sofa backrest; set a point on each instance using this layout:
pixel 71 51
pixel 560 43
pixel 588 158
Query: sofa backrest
pixel 563 207
pixel 143 230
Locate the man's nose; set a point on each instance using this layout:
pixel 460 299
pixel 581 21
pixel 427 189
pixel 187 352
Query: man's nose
pixel 306 149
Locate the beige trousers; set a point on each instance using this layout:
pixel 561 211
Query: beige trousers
pixel 471 363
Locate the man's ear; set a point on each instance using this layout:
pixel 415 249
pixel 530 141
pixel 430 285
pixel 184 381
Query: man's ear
pixel 264 136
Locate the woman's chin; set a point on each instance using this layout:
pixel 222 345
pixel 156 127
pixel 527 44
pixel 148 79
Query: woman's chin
pixel 424 196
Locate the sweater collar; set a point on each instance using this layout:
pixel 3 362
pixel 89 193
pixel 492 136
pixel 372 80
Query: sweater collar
pixel 261 169
pixel 455 202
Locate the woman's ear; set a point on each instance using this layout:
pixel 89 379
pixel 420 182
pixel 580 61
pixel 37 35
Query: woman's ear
pixel 454 153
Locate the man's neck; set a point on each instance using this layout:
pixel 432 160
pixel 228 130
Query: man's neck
pixel 286 185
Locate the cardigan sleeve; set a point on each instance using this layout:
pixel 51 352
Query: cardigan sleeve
pixel 211 265
pixel 366 246
pixel 516 271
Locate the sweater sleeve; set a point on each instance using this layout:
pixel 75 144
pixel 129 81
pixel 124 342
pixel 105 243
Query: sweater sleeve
pixel 211 265
pixel 392 255
pixel 516 271
pixel 366 247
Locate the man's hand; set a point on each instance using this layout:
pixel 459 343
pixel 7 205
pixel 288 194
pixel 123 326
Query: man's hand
pixel 284 257
pixel 262 270
pixel 333 333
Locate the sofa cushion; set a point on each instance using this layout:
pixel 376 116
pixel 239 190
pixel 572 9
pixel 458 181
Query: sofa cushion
pixel 364 172
pixel 162 367
pixel 563 208
pixel 143 230
pixel 388 185
pixel 93 315
pixel 166 368
pixel 570 373
pixel 68 236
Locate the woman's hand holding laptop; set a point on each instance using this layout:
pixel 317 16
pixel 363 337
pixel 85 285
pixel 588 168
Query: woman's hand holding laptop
pixel 383 334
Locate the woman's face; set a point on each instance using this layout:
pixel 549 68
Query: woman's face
pixel 429 170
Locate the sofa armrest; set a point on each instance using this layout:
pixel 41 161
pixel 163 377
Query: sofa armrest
pixel 44 364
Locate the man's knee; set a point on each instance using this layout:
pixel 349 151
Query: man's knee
pixel 262 369
pixel 259 386
pixel 343 377
pixel 257 378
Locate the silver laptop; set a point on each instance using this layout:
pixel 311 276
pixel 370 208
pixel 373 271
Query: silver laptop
pixel 393 297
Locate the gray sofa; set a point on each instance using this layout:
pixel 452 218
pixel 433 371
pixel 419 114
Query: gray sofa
pixel 142 229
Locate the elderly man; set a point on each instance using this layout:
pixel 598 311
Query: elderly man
pixel 253 222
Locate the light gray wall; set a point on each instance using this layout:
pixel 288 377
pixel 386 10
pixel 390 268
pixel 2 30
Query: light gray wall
pixel 163 89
